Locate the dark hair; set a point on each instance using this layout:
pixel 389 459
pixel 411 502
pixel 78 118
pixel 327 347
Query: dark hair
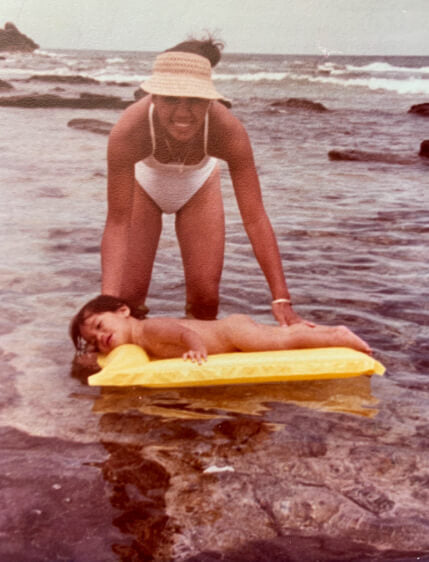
pixel 210 48
pixel 98 305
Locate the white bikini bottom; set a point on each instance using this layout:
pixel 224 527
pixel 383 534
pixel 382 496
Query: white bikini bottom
pixel 171 186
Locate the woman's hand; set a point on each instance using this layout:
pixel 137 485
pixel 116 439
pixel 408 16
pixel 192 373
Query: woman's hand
pixel 286 316
pixel 196 356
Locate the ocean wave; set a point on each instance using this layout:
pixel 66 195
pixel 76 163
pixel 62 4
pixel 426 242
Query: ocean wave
pixel 386 67
pixel 410 86
pixel 253 77
pixel 371 68
pixel 115 60
pixel 50 55
pixel 106 76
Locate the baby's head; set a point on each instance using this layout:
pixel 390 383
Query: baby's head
pixel 95 307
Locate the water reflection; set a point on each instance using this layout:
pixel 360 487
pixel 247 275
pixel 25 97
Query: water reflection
pixel 173 454
pixel 352 396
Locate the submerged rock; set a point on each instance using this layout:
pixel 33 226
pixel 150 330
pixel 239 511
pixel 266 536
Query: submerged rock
pixel 13 40
pixel 139 94
pixel 299 103
pixel 424 149
pixel 92 125
pixel 362 156
pixel 307 488
pixel 420 109
pixel 68 79
pixel 5 85
pixel 84 101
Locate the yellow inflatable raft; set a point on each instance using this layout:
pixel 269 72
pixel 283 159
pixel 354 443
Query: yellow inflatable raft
pixel 129 365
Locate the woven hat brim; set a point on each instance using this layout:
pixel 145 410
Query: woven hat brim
pixel 172 85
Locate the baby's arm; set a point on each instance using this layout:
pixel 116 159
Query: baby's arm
pixel 160 335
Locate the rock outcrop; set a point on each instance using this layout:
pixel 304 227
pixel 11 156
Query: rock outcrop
pixel 5 85
pixel 363 156
pixel 92 125
pixel 13 40
pixel 84 101
pixel 420 109
pixel 299 103
pixel 386 157
pixel 424 149
pixel 67 79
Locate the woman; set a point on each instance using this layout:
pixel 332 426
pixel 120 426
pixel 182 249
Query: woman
pixel 162 157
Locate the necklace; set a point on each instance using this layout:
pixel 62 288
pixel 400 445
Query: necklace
pixel 176 158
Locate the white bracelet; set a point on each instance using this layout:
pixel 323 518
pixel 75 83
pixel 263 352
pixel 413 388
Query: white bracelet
pixel 276 301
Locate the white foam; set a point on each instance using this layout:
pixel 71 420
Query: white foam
pixel 386 67
pixel 216 469
pixel 410 86
pixel 115 60
pixel 104 76
pixel 372 68
pixel 253 77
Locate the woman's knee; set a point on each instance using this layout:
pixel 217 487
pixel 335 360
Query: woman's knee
pixel 203 309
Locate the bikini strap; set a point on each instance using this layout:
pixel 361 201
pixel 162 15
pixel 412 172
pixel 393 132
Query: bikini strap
pixel 152 128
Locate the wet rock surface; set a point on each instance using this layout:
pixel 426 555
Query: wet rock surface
pixel 424 149
pixel 299 103
pixel 187 475
pixel 51 510
pixel 5 85
pixel 420 109
pixel 84 101
pixel 67 79
pixel 356 155
pixel 91 125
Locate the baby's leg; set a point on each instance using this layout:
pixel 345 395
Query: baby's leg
pixel 247 335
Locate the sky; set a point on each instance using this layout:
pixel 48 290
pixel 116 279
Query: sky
pixel 363 27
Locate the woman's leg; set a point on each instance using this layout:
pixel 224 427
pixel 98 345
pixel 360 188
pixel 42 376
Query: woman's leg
pixel 200 228
pixel 144 233
pixel 247 335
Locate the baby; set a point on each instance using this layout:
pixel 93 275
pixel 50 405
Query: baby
pixel 107 322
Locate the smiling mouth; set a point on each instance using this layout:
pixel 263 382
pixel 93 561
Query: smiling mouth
pixel 182 124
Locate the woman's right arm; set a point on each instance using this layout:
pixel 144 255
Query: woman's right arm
pixel 120 187
pixel 128 143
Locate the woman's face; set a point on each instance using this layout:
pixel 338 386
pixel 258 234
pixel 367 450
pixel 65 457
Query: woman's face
pixel 181 117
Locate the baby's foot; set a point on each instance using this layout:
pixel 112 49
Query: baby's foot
pixel 349 339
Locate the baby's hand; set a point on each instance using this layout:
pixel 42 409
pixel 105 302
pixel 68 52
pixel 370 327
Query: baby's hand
pixel 195 356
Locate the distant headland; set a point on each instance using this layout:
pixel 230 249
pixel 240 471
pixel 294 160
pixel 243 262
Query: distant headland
pixel 11 39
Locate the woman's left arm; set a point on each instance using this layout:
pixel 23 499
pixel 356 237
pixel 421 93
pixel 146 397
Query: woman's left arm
pixel 239 156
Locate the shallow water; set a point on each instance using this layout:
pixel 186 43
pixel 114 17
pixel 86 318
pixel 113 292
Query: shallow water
pixel 334 470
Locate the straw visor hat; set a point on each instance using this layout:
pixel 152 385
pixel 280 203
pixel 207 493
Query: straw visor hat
pixel 182 75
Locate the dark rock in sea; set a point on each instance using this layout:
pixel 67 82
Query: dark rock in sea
pixel 84 101
pixel 139 93
pixel 120 84
pixel 299 103
pixel 68 79
pixel 420 109
pixel 424 149
pixel 362 156
pixel 92 125
pixel 5 85
pixel 13 40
